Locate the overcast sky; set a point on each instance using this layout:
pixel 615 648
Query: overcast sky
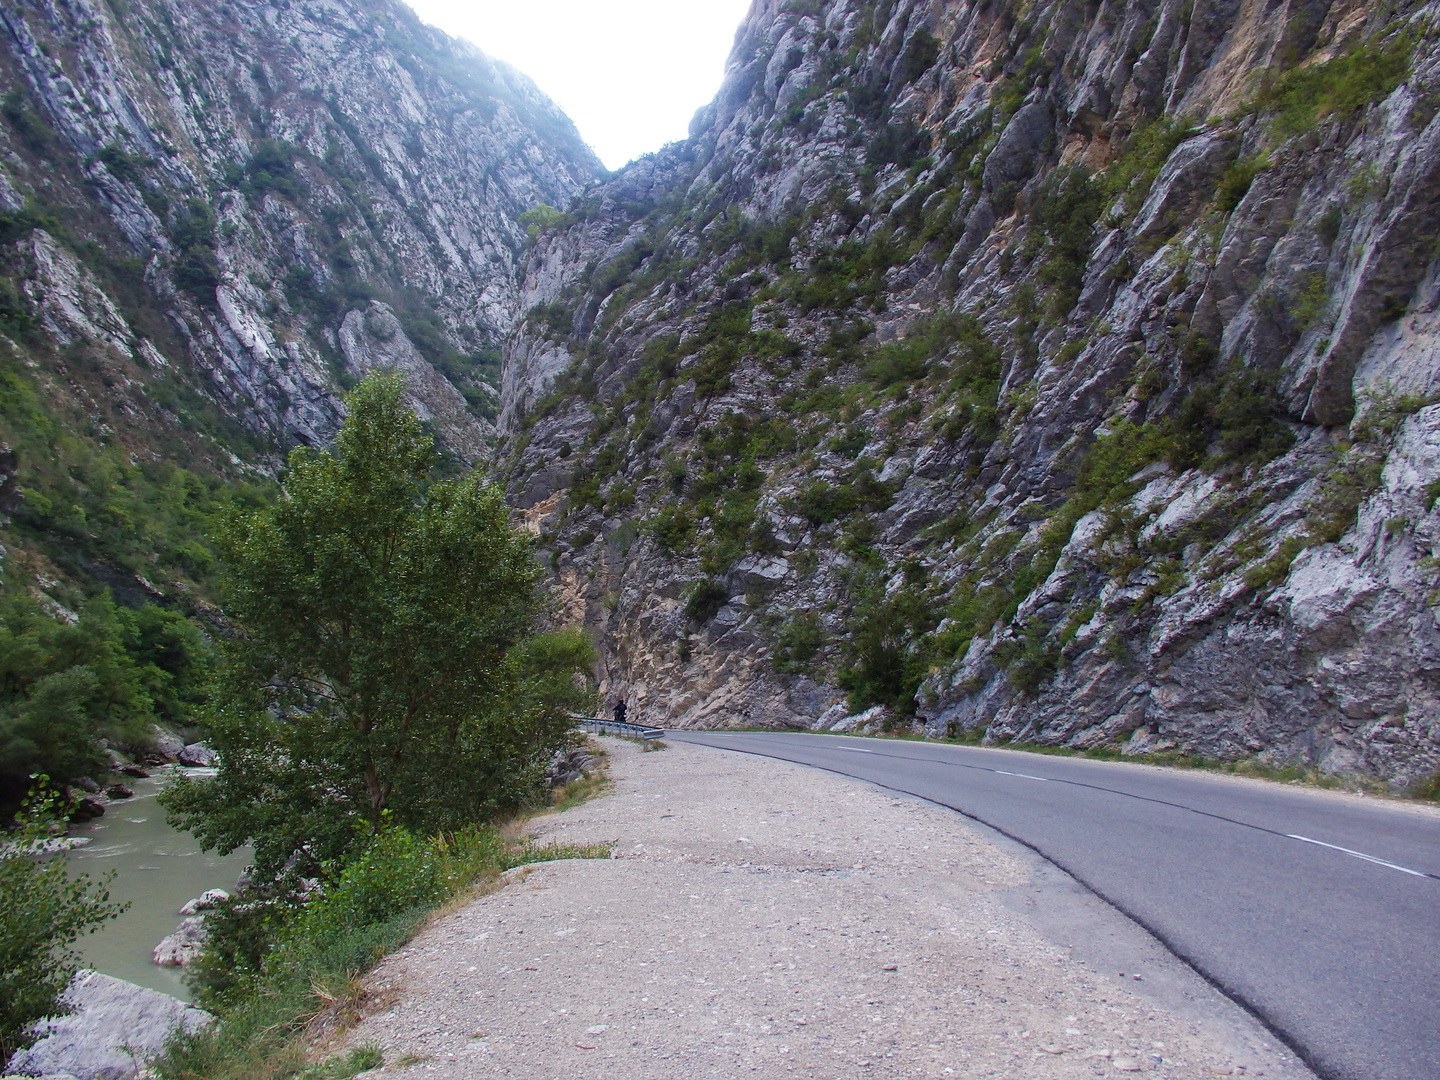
pixel 630 73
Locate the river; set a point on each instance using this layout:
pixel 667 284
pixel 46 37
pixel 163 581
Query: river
pixel 157 870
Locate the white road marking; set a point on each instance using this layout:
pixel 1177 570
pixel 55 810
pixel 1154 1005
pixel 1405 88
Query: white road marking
pixel 1358 855
pixel 1021 775
pixel 855 749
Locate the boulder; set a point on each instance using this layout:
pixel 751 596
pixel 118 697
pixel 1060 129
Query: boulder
pixel 197 755
pixel 112 1028
pixel 119 791
pixel 181 947
pixel 205 901
pixel 135 772
pixel 87 809
pixel 568 766
pixel 167 746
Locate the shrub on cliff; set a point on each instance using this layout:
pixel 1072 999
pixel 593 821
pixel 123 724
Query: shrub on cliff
pixel 384 658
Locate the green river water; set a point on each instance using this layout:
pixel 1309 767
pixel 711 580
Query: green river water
pixel 157 870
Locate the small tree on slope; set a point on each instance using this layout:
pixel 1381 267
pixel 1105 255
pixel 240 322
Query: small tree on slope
pixel 43 912
pixel 384 662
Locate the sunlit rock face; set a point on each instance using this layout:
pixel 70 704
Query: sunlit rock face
pixel 1055 373
pixel 209 199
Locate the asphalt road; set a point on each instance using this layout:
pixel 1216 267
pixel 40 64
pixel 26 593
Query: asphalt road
pixel 1318 914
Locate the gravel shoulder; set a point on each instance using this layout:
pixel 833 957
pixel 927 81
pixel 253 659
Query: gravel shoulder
pixel 760 918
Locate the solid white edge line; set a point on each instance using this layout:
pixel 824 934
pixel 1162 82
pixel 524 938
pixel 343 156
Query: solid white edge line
pixel 1358 855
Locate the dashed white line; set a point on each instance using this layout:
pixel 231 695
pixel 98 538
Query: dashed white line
pixel 1358 855
pixel 1021 775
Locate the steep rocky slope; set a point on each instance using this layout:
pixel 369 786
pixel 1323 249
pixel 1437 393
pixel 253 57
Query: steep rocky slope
pixel 214 217
pixel 1049 371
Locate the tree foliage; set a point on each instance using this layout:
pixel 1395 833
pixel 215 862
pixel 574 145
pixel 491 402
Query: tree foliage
pixel 110 675
pixel 384 658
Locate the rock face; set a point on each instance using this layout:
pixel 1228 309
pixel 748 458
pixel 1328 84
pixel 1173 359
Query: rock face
pixel 1041 374
pixel 241 207
pixel 114 1027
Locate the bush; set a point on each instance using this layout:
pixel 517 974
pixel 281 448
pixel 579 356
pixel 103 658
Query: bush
pixel 197 269
pixel 1304 96
pixel 43 911
pixel 821 503
pixel 672 529
pixel 1236 180
pixel 34 130
pixel 1145 155
pixel 920 56
pixel 540 219
pixel 705 600
pixel 1031 659
pixel 397 872
pixel 1247 414
pixel 124 165
pixel 1065 212
pixel 271 168
pixel 887 652
pixel 798 643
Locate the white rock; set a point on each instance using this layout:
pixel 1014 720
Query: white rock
pixel 1324 585
pixel 205 901
pixel 197 755
pixel 114 1027
pixel 859 721
pixel 181 947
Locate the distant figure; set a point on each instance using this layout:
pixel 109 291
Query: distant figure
pixel 620 711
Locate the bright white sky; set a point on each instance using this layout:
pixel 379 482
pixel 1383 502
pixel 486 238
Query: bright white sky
pixel 630 73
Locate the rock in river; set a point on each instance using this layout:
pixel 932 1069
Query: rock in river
pixel 205 901
pixel 183 945
pixel 86 809
pixel 197 755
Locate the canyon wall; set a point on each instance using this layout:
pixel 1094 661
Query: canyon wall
pixel 1049 372
pixel 245 206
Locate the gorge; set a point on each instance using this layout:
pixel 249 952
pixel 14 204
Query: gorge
pixel 1056 373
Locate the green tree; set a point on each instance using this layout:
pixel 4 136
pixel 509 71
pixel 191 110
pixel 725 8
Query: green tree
pixel 383 662
pixel 109 675
pixel 43 911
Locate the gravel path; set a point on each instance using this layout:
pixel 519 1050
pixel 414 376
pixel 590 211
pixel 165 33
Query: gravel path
pixel 766 919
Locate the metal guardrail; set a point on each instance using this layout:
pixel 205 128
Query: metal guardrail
pixel 612 727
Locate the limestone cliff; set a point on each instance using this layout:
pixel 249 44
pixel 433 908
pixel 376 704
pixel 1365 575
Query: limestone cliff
pixel 1046 371
pixel 232 209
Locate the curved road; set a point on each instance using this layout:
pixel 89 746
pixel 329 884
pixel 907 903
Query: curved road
pixel 1320 915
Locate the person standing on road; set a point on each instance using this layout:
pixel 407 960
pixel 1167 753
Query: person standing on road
pixel 620 710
